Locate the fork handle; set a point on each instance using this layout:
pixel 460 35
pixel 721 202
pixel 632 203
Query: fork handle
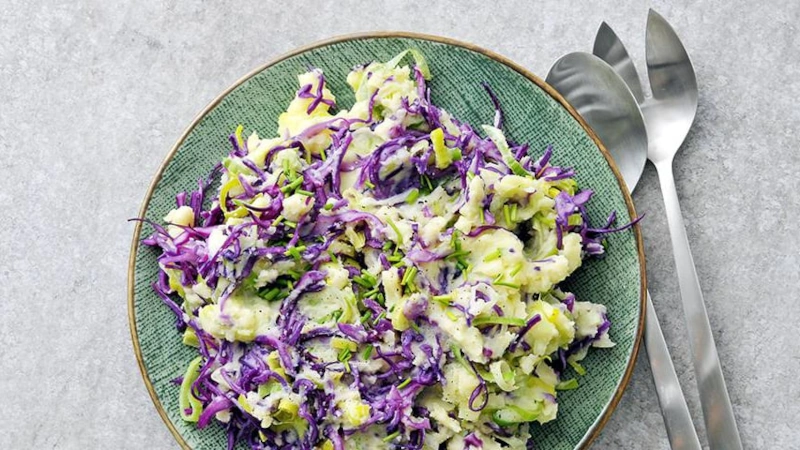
pixel 717 411
pixel 677 420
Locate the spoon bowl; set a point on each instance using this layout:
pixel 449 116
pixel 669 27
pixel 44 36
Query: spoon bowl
pixel 670 112
pixel 604 101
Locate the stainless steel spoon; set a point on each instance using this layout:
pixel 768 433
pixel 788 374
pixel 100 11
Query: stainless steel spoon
pixel 669 115
pixel 603 100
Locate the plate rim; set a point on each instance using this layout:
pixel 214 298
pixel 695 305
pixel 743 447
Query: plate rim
pixel 594 431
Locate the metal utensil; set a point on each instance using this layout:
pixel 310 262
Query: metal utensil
pixel 669 115
pixel 602 98
pixel 598 94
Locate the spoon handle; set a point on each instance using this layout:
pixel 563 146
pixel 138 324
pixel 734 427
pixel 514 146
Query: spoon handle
pixel 678 421
pixel 717 411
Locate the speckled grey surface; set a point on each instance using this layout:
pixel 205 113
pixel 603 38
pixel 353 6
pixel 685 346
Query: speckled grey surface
pixel 94 93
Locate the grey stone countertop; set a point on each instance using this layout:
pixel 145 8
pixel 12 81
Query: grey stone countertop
pixel 94 93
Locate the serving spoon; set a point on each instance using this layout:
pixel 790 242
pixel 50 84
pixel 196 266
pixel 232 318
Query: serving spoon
pixel 669 115
pixel 593 88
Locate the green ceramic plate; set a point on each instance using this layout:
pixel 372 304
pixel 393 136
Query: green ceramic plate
pixel 534 114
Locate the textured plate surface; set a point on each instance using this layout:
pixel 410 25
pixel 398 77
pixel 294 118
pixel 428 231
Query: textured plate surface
pixel 534 113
